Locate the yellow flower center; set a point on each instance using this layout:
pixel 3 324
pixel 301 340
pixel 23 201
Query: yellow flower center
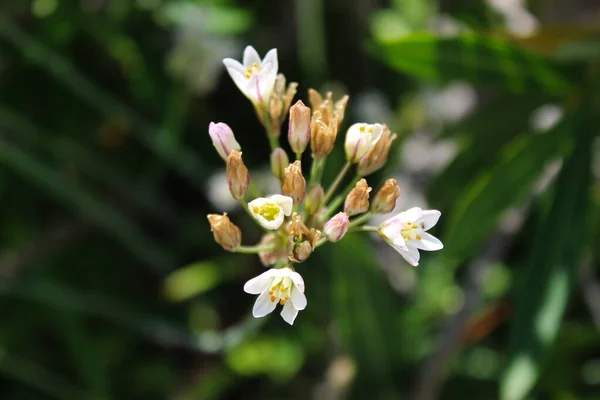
pixel 365 129
pixel 281 291
pixel 410 231
pixel 254 70
pixel 268 211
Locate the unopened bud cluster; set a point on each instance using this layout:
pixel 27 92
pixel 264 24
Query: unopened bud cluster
pixel 307 212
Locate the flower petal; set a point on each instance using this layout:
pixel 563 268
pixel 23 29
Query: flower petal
pixel 428 242
pixel 411 255
pixel 235 65
pixel 263 305
pixel 251 57
pixel 429 218
pixel 410 215
pixel 286 203
pixel 271 58
pixel 289 313
pixel 298 298
pixel 257 285
pixel 296 278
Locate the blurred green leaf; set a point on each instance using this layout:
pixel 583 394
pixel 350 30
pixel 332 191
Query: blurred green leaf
pixel 503 186
pixel 556 256
pixel 362 310
pixel 477 58
pixel 87 205
pixel 280 358
pixel 483 133
pixel 192 280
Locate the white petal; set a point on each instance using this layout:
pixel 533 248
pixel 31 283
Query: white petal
pixel 272 225
pixel 298 298
pixel 235 65
pixel 296 278
pixel 263 305
pixel 399 244
pixel 391 229
pixel 410 215
pixel 271 58
pixel 257 285
pixel 289 313
pixel 251 57
pixel 428 242
pixel 411 255
pixel 286 203
pixel 429 218
pixel 239 79
pixel 376 135
pixel 267 81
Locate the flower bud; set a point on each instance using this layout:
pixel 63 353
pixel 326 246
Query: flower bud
pixel 357 202
pixel 314 199
pixel 360 138
pixel 238 177
pixel 223 139
pixel 376 158
pixel 336 227
pixel 385 199
pixel 322 136
pixel 301 252
pixel 225 232
pixel 271 257
pixel 279 161
pixel 294 183
pixel 299 127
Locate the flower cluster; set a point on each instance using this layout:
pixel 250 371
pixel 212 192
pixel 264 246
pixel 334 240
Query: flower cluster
pixel 301 218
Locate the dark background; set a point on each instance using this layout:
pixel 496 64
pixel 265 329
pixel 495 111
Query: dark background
pixel 111 286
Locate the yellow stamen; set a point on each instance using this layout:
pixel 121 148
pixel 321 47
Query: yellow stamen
pixel 273 298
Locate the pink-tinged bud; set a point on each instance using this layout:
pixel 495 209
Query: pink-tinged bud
pixel 279 162
pixel 357 201
pixel 225 232
pixel 299 127
pixel 223 139
pixel 336 227
pixel 238 177
pixel 314 199
pixel 385 199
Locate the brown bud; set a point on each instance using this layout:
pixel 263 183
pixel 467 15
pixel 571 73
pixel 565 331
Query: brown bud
pixel 357 202
pixel 340 108
pixel 238 177
pixel 327 108
pixel 314 198
pixel 280 253
pixel 294 184
pixel 299 127
pixel 279 161
pixel 280 102
pixel 225 232
pixel 301 240
pixel 322 136
pixel 377 156
pixel 385 199
pixel 315 99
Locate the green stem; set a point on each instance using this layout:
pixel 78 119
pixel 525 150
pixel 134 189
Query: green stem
pixel 337 181
pixel 254 249
pixel 337 201
pixel 253 190
pixel 359 220
pixel 314 172
pixel 364 228
pixel 299 156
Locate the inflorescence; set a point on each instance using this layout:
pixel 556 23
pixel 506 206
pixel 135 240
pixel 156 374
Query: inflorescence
pixel 300 218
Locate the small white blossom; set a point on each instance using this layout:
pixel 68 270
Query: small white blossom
pixel 282 286
pixel 255 78
pixel 360 138
pixel 271 211
pixel 223 139
pixel 405 232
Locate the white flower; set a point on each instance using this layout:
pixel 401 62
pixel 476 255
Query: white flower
pixel 360 138
pixel 282 286
pixel 405 232
pixel 223 139
pixel 270 211
pixel 255 78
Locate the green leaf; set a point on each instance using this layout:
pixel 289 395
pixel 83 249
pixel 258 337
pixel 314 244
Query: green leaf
pixel 192 280
pixel 476 58
pixel 483 133
pixel 507 183
pixel 556 255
